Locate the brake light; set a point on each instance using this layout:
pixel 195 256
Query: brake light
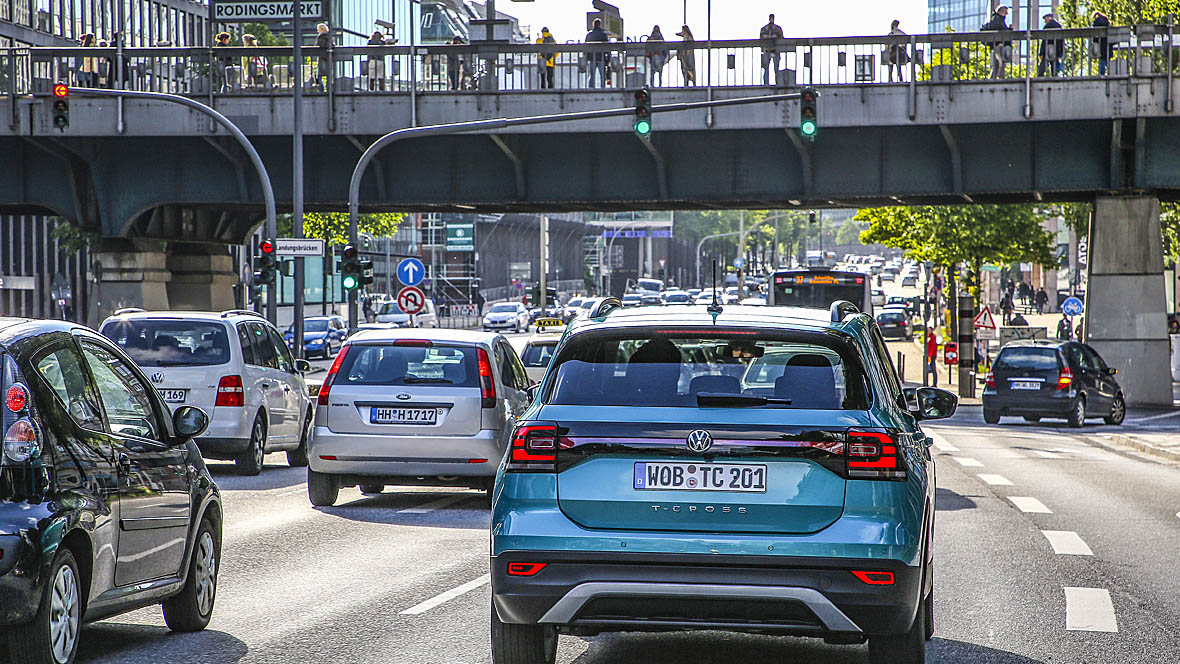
pixel 875 578
pixel 1065 379
pixel 322 397
pixel 534 447
pixel 20 441
pixel 229 392
pixel 902 323
pixel 487 384
pixel 15 398
pixel 420 343
pixel 873 455
pixel 990 381
pixel 525 569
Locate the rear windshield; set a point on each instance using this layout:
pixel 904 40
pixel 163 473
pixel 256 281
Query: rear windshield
pixel 409 365
pixel 677 298
pixel 574 302
pixel 890 317
pixel 672 369
pixel 390 308
pixel 170 343
pixel 1027 358
pixel 313 325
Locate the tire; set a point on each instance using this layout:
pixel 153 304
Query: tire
pixel 297 458
pixel 928 614
pixel 991 416
pixel 250 461
pixel 322 489
pixel 1077 414
pixel 1032 418
pixel 372 489
pixel 1118 411
pixel 191 609
pixel 907 648
pixel 522 644
pixel 52 636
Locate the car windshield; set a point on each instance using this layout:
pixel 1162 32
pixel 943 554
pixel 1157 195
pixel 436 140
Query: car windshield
pixel 390 308
pixel 1027 358
pixel 503 309
pixel 311 325
pixel 574 302
pixel 538 355
pixel 169 343
pixel 766 368
pixel 409 365
pixel 650 284
pixel 677 298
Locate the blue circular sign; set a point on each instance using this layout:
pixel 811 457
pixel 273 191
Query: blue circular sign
pixel 410 272
pixel 1072 306
pixel 739 262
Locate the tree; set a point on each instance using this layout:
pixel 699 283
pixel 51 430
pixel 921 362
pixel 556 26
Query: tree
pixel 849 232
pixel 264 35
pixel 333 226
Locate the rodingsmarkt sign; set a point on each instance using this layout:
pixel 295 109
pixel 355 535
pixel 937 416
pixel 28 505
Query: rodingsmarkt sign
pixel 265 11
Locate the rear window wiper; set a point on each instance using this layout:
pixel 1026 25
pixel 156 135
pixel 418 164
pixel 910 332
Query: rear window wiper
pixel 415 380
pixel 738 400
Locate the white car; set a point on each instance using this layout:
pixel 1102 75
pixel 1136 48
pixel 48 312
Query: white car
pixel 233 365
pixel 512 316
pixel 390 312
pixel 877 297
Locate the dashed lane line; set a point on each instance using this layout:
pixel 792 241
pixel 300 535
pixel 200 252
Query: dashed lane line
pixel 995 480
pixel 1067 543
pixel 1029 505
pixel 1089 610
pixel 449 595
pixel 968 462
pixel 941 443
pixel 434 505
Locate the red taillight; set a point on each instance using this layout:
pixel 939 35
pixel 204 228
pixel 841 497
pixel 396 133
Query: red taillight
pixel 990 381
pixel 477 461
pixel 902 323
pixel 1065 379
pixel 487 383
pixel 322 397
pixel 16 398
pixel 328 457
pixel 229 392
pixel 875 578
pixel 873 455
pixel 534 447
pixel 525 569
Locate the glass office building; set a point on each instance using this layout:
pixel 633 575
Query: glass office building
pixel 63 22
pixel 970 15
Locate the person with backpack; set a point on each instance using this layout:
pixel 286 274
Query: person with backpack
pixel 546 59
pixel 1001 51
pixel 1100 46
pixel 898 55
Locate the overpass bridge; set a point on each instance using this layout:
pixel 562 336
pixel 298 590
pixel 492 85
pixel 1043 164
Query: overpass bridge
pixel 140 171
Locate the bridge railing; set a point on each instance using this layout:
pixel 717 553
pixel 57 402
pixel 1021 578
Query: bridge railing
pixel 946 58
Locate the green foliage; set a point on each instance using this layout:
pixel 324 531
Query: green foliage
pixel 849 232
pixel 1170 225
pixel 71 238
pixel 333 226
pixel 1079 13
pixel 264 35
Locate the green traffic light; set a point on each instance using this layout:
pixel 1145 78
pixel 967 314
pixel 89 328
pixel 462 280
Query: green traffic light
pixel 807 128
pixel 643 127
pixel 350 282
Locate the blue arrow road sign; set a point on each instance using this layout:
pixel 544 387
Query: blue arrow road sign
pixel 410 272
pixel 1072 306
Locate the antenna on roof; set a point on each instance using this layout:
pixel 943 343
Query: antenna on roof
pixel 714 308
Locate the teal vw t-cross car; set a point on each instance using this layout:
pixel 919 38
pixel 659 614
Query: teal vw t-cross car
pixel 753 469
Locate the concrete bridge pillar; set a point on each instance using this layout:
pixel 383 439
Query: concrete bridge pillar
pixel 203 277
pixel 127 273
pixel 1124 318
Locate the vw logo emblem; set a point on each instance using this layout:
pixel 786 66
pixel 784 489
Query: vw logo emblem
pixel 699 441
pixel 403 396
pixel 157 377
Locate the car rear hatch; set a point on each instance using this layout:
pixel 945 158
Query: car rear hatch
pixel 184 359
pixel 1027 371
pixel 406 388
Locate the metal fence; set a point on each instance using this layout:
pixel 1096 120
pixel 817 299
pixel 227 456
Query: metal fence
pixel 942 58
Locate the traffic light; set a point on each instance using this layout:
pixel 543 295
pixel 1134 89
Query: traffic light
pixel 366 269
pixel 808 112
pixel 350 268
pixel 264 264
pixel 61 106
pixel 643 112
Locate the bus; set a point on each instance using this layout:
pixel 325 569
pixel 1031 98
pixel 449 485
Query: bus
pixel 818 288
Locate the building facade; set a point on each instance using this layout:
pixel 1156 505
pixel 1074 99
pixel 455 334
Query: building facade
pixel 970 15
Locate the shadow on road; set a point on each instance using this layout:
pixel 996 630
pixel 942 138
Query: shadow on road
pixel 275 475
pixel 946 500
pixel 110 642
pixel 470 512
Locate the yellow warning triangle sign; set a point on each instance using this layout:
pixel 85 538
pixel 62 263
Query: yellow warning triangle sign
pixel 984 319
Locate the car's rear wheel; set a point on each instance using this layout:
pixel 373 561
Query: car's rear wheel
pixel 191 610
pixel 297 458
pixel 52 636
pixel 991 416
pixel 1118 411
pixel 372 489
pixel 522 644
pixel 1032 418
pixel 250 462
pixel 1077 414
pixel 322 489
pixel 929 615
pixel 907 648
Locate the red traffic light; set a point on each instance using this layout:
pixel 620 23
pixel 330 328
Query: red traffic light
pixel 808 95
pixel 61 90
pixel 266 247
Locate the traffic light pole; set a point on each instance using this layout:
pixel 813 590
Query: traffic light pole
pixel 268 193
pixel 354 185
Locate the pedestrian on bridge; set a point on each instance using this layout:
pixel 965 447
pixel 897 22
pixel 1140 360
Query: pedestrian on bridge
pixel 456 63
pixel 688 56
pixel 323 40
pixel 375 64
pixel 597 59
pixel 87 67
pixel 546 59
pixel 1001 51
pixel 657 55
pixel 257 66
pixel 225 63
pixel 1051 49
pixel 769 34
pixel 898 55
pixel 1100 46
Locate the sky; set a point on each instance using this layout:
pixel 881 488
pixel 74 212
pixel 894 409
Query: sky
pixel 732 19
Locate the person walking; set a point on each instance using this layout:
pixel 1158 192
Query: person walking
pixel 932 357
pixel 256 66
pixel 1100 46
pixel 1051 49
pixel 375 64
pixel 688 56
pixel 1040 299
pixel 597 59
pixel 1001 51
pixel 456 63
pixel 898 54
pixel 657 55
pixel 323 40
pixel 546 59
pixel 225 63
pixel 1006 308
pixel 769 34
pixel 1064 328
pixel 87 67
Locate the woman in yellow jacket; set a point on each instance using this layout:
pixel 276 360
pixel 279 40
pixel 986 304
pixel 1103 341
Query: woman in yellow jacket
pixel 546 59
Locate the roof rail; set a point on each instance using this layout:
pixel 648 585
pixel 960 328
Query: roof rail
pixel 603 306
pixel 842 308
pixel 128 310
pixel 240 312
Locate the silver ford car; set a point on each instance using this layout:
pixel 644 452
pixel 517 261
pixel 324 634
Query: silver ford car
pixel 415 407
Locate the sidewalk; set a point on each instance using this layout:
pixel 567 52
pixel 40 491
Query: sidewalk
pixel 1160 444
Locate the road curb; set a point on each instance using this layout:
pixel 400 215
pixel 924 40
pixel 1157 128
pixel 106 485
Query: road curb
pixel 1124 440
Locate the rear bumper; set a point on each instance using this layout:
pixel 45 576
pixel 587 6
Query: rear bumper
pixel 392 457
pixel 21 585
pixel 597 592
pixel 1059 403
pixel 223 448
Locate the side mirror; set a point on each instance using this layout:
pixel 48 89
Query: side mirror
pixel 189 421
pixel 302 366
pixel 935 404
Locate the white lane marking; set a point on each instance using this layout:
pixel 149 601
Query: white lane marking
pixel 995 480
pixel 941 443
pixel 449 595
pixel 1031 505
pixel 431 506
pixel 1153 417
pixel 1067 543
pixel 968 461
pixel 1089 610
